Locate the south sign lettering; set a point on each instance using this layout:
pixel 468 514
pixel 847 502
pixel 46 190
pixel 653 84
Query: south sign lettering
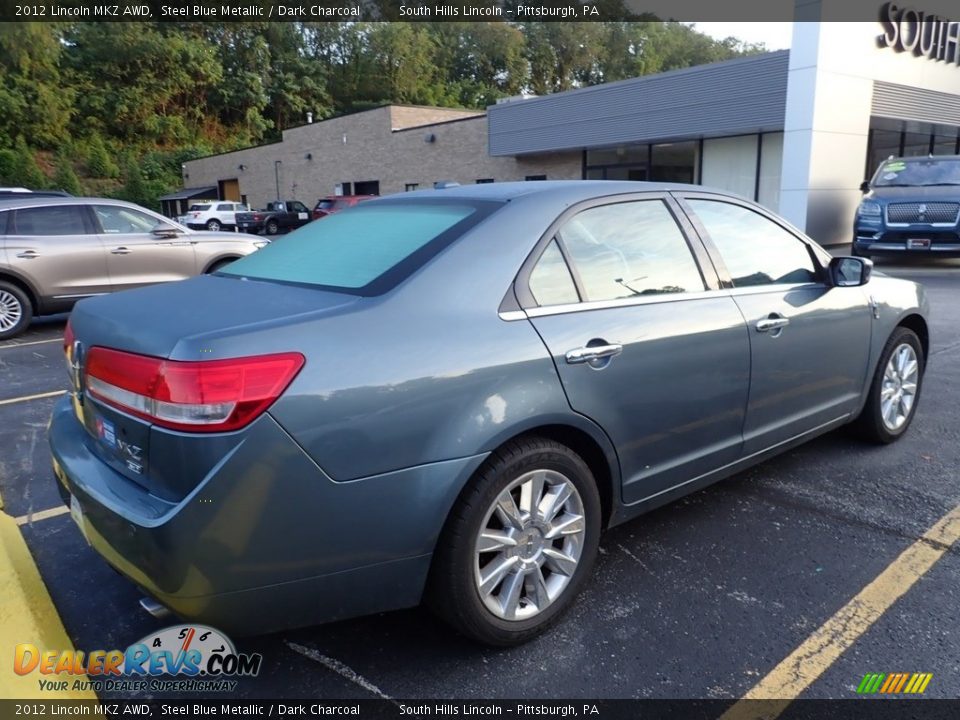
pixel 923 34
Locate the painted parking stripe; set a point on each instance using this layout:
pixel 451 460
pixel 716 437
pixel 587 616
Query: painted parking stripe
pixel 32 342
pixel 33 517
pixel 28 398
pixel 818 652
pixel 28 615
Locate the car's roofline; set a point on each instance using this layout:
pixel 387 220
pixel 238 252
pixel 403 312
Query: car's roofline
pixel 9 201
pixel 573 190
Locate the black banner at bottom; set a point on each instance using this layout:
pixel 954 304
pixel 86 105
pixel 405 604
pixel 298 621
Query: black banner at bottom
pixel 873 708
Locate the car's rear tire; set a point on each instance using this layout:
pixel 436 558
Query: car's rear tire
pixel 895 389
pixel 272 227
pixel 519 545
pixel 214 225
pixel 16 310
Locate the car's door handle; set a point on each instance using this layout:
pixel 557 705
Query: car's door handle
pixel 594 352
pixel 28 254
pixel 120 251
pixel 774 322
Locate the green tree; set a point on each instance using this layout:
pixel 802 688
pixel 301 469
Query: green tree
pixel 65 178
pixel 99 162
pixel 36 100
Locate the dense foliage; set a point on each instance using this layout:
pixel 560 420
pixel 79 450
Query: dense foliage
pixel 115 108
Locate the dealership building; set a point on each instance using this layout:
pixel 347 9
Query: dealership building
pixel 796 130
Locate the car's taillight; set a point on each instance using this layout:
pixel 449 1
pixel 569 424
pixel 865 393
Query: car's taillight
pixel 194 396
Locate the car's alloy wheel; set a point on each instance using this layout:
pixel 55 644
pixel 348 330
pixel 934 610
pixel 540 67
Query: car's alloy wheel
pixel 529 545
pixel 519 544
pixel 213 225
pixel 272 228
pixel 900 382
pixel 894 390
pixel 15 311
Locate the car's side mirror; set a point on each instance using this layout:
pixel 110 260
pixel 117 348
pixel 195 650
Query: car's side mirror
pixel 865 186
pixel 850 271
pixel 165 231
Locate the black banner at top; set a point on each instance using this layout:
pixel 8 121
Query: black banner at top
pixel 451 10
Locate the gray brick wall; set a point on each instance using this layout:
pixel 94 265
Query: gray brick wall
pixel 367 146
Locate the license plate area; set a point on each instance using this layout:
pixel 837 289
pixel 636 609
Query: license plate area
pixel 918 243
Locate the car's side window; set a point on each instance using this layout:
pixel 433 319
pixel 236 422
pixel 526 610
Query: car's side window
pixel 755 249
pixel 630 249
pixel 48 221
pixel 116 219
pixel 550 280
pixel 224 207
pixel 298 207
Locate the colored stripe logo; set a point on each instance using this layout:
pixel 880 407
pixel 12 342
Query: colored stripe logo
pixel 894 683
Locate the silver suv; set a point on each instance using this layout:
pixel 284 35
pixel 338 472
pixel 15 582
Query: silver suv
pixel 57 250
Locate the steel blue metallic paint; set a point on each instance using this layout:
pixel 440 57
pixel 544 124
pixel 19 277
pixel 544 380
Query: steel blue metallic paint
pixel 330 504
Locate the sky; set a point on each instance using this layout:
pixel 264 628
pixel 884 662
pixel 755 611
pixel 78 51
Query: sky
pixel 776 35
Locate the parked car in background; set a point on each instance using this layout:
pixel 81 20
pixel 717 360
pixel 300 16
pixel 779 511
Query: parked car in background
pixel 279 216
pixel 448 395
pixel 57 250
pixel 182 219
pixel 912 205
pixel 214 216
pixel 334 203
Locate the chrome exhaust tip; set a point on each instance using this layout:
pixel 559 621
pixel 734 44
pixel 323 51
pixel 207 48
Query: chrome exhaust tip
pixel 154 608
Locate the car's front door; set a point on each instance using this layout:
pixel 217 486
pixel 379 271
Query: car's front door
pixel 810 342
pixel 643 345
pixel 57 250
pixel 136 255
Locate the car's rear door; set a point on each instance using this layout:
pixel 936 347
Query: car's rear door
pixel 55 247
pixel 135 255
pixel 644 342
pixel 810 342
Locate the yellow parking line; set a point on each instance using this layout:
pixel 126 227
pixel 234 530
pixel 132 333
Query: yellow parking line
pixel 42 515
pixel 27 615
pixel 819 651
pixel 32 342
pixel 27 398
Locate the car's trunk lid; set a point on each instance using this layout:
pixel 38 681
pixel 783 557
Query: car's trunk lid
pixel 206 318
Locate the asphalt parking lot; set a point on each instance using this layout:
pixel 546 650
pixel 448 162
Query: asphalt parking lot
pixel 700 599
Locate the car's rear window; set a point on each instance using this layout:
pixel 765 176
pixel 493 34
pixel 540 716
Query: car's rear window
pixel 325 204
pixel 366 250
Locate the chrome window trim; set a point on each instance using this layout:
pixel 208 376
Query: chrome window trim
pixel 657 299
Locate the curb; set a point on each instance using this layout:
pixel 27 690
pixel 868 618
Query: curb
pixel 27 614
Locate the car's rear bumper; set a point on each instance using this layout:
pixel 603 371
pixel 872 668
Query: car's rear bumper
pixel 250 227
pixel 267 540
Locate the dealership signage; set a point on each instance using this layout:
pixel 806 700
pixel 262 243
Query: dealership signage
pixel 906 29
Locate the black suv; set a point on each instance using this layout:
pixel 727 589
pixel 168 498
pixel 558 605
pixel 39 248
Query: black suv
pixel 911 205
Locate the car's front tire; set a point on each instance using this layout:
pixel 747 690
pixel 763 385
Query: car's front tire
pixel 214 225
pixel 895 389
pixel 519 545
pixel 16 311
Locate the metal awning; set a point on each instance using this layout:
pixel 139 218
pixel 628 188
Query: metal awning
pixel 190 193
